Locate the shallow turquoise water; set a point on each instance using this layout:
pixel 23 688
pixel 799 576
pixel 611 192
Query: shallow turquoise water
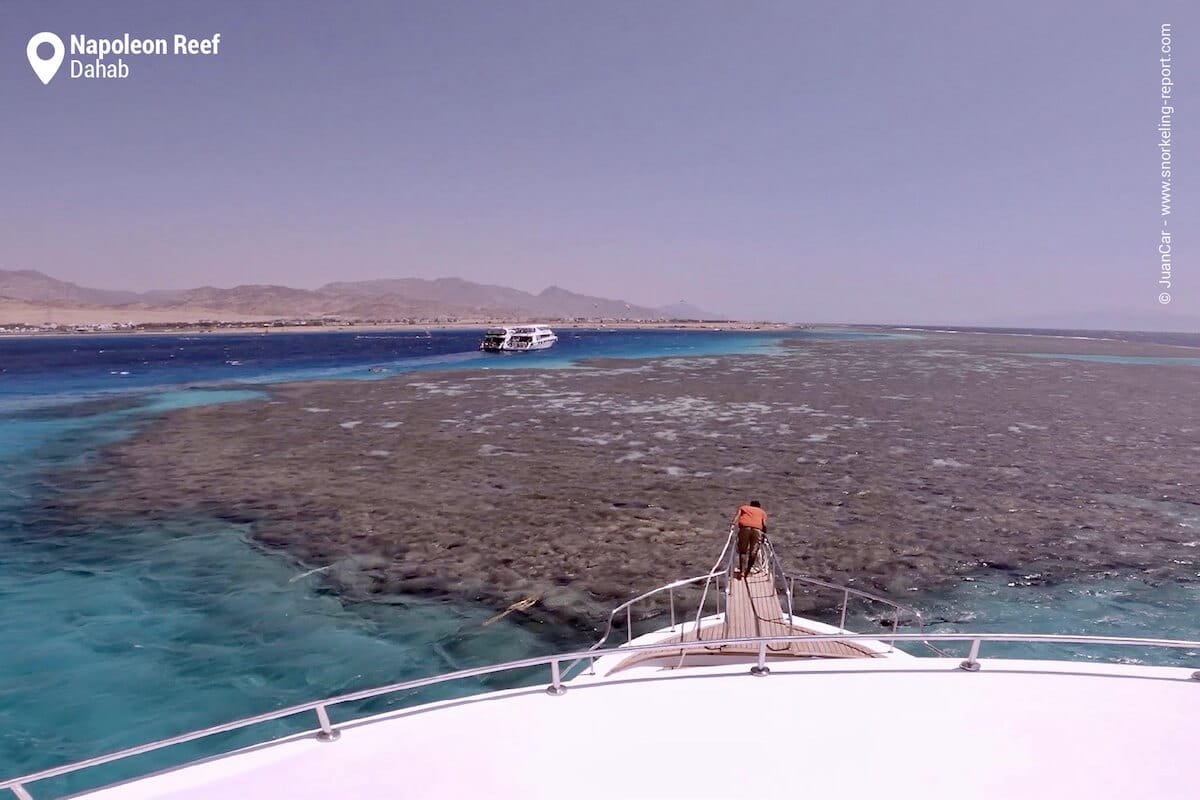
pixel 1122 606
pixel 113 638
pixel 1189 361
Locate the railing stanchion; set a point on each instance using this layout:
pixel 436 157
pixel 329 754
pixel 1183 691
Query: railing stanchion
pixel 672 595
pixel 628 624
pixel 328 733
pixel 555 688
pixel 845 603
pixel 791 586
pixel 761 667
pixel 972 662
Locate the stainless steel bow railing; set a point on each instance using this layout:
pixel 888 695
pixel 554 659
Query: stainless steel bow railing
pixel 785 586
pixel 718 578
pixel 711 578
pixel 327 733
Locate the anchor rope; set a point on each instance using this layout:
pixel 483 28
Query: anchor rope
pixel 520 605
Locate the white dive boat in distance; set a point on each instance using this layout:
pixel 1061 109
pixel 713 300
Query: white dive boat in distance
pixel 739 698
pixel 518 339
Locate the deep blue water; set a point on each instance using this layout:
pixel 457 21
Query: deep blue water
pixel 67 367
pixel 110 638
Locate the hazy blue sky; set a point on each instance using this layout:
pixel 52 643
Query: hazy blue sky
pixel 884 161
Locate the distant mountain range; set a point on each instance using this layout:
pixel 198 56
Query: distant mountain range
pixel 360 300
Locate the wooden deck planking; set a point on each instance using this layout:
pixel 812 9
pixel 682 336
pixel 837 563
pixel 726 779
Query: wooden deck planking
pixel 753 610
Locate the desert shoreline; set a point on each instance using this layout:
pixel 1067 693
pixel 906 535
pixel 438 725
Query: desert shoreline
pixel 462 325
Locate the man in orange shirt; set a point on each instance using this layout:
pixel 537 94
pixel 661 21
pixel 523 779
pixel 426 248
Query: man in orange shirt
pixel 752 526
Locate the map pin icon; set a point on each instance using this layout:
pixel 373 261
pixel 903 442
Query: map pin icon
pixel 45 67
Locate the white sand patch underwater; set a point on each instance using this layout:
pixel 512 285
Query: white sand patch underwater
pixel 494 450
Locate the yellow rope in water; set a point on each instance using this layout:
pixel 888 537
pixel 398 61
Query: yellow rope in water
pixel 520 605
